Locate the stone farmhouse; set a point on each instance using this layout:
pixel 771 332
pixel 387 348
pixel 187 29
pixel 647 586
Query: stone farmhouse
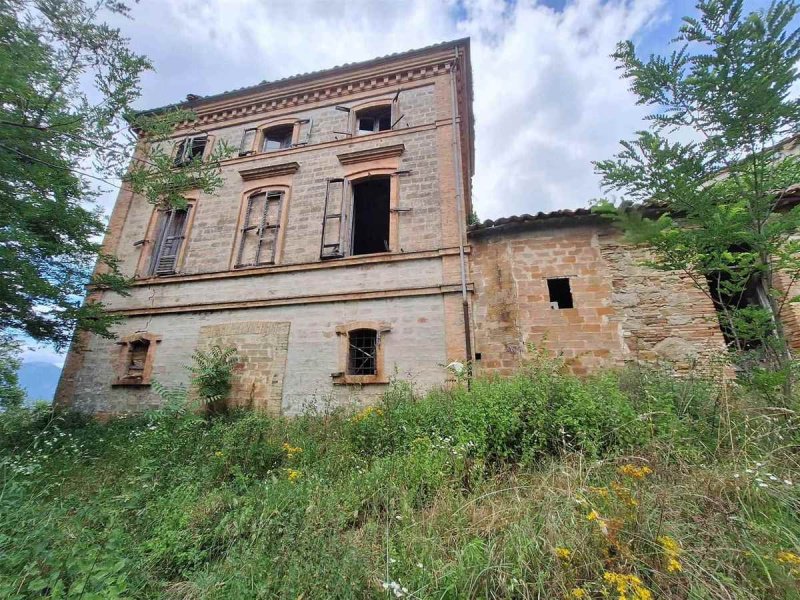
pixel 338 254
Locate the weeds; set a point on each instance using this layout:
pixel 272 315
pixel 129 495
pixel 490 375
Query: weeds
pixel 631 485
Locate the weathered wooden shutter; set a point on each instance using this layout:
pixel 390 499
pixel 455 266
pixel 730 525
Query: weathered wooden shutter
pixel 169 242
pixel 397 115
pixel 307 137
pixel 258 242
pixel 246 145
pixel 334 219
pixel 180 152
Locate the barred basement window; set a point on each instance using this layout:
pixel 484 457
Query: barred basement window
pixel 169 240
pixel 362 352
pixel 135 366
pixel 137 355
pixel 190 149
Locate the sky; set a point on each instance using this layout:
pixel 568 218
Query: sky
pixel 548 99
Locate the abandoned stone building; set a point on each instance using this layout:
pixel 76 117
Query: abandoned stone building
pixel 337 254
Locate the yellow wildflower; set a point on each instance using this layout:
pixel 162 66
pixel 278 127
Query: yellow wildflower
pixel 563 553
pixel 219 454
pixel 600 491
pixel 293 475
pixel 790 559
pixel 578 593
pixel 291 450
pixel 672 551
pixel 634 471
pixel 366 412
pixel 593 516
pixel 628 587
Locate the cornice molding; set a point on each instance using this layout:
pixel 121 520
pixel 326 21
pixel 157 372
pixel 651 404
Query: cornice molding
pixel 389 76
pixel 271 171
pixel 369 154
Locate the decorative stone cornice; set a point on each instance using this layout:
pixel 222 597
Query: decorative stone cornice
pixel 357 156
pixel 270 171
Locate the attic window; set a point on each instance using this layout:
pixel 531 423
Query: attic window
pixel 277 138
pixel 560 293
pixel 362 356
pixel 190 149
pixel 374 119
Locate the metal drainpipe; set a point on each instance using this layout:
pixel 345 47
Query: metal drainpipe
pixel 459 212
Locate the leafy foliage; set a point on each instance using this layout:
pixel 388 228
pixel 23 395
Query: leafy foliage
pixel 212 372
pixel 713 207
pixel 69 81
pixel 11 395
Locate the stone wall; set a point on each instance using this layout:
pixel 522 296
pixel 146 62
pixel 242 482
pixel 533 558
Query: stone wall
pixel 622 310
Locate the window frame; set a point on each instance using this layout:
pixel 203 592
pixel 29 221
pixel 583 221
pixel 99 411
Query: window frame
pixel 278 188
pixel 180 148
pixel 343 332
pixel 122 370
pixel 143 269
pixel 395 115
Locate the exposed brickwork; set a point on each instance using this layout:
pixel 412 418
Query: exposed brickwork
pixel 261 348
pixel 622 310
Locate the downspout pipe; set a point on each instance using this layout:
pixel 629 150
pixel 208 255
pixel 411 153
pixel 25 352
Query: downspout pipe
pixel 460 210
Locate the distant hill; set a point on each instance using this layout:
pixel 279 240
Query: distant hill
pixel 39 380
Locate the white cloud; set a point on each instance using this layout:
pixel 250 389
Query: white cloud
pixel 548 99
pixel 45 354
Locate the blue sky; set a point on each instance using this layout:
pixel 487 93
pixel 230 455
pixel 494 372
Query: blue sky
pixel 548 99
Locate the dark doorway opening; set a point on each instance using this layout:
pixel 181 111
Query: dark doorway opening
pixel 371 216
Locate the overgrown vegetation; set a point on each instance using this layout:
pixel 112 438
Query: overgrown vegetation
pixel 624 485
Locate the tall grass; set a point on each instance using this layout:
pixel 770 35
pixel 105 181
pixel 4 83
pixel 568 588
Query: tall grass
pixel 623 485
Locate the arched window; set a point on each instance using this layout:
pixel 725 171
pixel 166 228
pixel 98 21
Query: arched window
pixel 362 352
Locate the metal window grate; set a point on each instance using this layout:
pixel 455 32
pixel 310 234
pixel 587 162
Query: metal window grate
pixel 363 352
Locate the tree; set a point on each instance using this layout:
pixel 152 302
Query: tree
pixel 11 395
pixel 67 84
pixel 715 207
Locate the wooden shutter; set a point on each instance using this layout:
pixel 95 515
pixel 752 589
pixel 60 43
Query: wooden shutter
pixel 246 145
pixel 180 152
pixel 397 116
pixel 258 241
pixel 307 138
pixel 168 244
pixel 333 219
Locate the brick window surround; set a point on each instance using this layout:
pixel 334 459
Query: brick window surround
pixel 135 361
pixel 343 332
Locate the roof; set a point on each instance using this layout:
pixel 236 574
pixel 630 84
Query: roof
pixel 193 101
pixel 503 223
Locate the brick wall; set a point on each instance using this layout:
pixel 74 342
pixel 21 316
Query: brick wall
pixel 622 311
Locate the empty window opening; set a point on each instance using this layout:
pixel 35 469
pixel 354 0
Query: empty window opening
pixel 732 292
pixel 137 356
pixel 560 293
pixel 371 216
pixel 276 138
pixel 189 150
pixel 362 357
pixel 258 242
pixel 169 240
pixel 372 120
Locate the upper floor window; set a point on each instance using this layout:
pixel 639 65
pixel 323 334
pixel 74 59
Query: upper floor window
pixel 258 237
pixel 170 236
pixel 357 218
pixel 374 119
pixel 277 138
pixel 190 149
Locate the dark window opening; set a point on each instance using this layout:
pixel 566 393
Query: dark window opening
pixel 362 357
pixel 169 240
pixel 137 355
pixel 478 356
pixel 277 138
pixel 189 150
pixel 372 120
pixel 731 293
pixel 560 293
pixel 371 216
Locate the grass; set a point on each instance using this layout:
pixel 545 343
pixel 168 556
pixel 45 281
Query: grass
pixel 626 485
